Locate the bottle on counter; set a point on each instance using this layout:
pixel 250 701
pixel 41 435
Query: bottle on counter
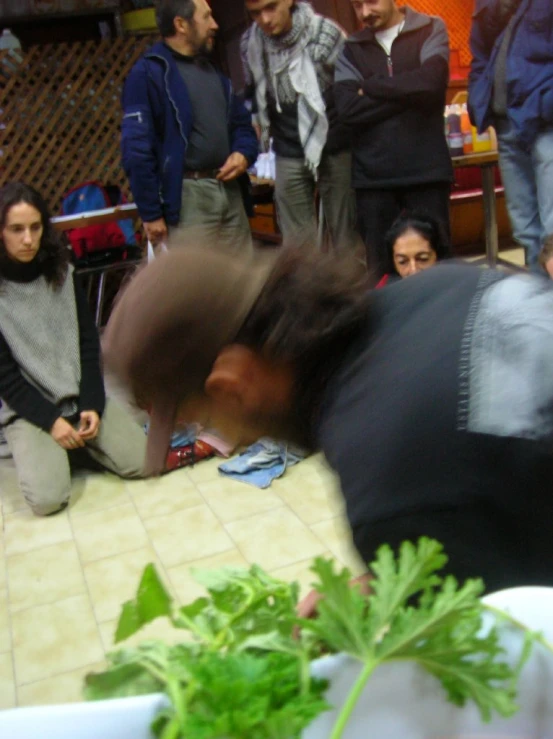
pixel 466 130
pixel 454 132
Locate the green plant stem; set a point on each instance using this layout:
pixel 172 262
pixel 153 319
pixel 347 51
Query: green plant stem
pixel 353 697
pixel 305 672
pixel 172 730
pixel 175 692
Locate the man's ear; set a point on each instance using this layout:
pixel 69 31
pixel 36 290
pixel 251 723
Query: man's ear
pixel 230 377
pixel 180 25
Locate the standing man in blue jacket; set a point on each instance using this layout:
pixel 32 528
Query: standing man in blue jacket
pixel 186 139
pixel 511 88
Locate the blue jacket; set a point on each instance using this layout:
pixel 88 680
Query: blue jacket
pixel 529 66
pixel 157 121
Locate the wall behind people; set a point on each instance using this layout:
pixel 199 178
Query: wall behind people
pixel 457 16
pixel 57 146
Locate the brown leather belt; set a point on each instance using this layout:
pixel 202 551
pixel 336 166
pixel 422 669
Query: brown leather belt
pixel 201 174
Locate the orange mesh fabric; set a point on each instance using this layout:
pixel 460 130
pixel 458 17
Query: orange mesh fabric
pixel 457 15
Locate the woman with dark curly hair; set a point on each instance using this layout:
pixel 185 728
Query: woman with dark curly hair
pixel 414 242
pixel 51 385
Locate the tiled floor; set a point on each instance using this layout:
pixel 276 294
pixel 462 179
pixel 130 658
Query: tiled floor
pixel 63 579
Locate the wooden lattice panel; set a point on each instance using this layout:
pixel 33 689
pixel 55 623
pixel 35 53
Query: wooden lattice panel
pixel 457 14
pixel 61 114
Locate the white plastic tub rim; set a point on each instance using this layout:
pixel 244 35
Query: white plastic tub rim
pixel 401 701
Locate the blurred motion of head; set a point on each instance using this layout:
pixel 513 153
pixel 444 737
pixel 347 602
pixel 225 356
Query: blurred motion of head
pixel 235 345
pixel 187 26
pixel 378 15
pixel 415 242
pixel 274 17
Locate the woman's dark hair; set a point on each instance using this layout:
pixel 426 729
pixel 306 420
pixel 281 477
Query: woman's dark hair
pixel 423 224
pixel 53 255
pixel 168 10
pixel 547 251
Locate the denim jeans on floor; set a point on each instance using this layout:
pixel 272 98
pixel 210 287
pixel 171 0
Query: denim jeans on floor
pixel 528 180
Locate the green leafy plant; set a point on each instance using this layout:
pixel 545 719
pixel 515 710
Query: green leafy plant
pixel 245 671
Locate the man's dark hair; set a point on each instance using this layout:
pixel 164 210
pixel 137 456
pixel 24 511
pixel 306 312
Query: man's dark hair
pixel 309 301
pixel 308 313
pixel 168 10
pixel 53 255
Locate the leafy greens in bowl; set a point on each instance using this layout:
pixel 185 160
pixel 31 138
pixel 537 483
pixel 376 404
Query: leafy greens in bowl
pixel 243 671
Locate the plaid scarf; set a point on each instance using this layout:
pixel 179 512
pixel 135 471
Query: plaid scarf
pixel 298 66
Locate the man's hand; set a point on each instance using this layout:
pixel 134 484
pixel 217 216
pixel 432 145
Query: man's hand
pixel 235 165
pixel 65 435
pixel 89 426
pixel 307 607
pixel 156 231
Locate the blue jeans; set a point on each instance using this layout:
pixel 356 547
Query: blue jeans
pixel 528 181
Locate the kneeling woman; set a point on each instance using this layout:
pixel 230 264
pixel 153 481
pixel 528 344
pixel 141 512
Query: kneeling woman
pixel 51 386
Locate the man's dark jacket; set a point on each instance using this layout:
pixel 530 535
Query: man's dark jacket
pixel 157 120
pixel 398 122
pixel 439 422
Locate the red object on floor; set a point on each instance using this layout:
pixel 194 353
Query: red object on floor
pixel 184 456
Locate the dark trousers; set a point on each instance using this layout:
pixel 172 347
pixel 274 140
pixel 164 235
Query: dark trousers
pixel 378 209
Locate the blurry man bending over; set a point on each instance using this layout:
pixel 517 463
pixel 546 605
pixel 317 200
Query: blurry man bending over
pixel 429 398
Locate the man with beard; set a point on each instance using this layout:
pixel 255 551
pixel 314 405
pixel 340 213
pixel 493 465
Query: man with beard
pixel 186 139
pixel 391 82
pixel 430 399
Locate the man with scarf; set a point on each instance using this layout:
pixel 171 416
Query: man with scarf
pixel 289 55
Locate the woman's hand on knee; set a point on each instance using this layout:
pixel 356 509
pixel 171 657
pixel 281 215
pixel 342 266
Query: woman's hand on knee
pixel 65 435
pixel 89 426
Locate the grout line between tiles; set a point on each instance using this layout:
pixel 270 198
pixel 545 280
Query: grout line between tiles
pixel 51 602
pixel 87 588
pixel 222 524
pixel 57 674
pixel 8 609
pixel 159 564
pixel 164 568
pixel 286 506
pixel 108 507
